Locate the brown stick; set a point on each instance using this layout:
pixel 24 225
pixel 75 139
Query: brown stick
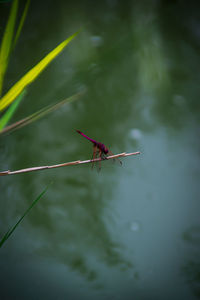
pixel 77 162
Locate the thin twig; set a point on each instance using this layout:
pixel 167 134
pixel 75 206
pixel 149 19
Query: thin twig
pixel 77 162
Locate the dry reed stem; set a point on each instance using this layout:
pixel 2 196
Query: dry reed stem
pixel 77 162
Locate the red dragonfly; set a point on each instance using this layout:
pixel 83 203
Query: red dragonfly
pixel 99 149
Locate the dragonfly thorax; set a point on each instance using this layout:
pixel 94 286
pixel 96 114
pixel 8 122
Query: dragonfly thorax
pixel 103 148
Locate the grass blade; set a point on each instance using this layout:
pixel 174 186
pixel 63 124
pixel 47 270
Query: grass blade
pixel 21 23
pixel 30 76
pixel 11 110
pixel 10 231
pixel 6 44
pixel 39 114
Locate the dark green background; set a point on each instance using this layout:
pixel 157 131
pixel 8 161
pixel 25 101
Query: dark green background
pixel 130 232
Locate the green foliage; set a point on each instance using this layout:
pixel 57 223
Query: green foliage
pixel 8 43
pixel 37 115
pixel 11 110
pixel 30 76
pixel 21 23
pixel 16 93
pixel 7 40
pixel 10 231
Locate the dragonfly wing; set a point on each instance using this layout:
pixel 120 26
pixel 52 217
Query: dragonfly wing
pixel 116 159
pixel 94 155
pixel 99 162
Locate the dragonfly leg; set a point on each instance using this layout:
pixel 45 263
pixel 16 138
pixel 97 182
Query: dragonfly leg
pixel 100 156
pixel 94 154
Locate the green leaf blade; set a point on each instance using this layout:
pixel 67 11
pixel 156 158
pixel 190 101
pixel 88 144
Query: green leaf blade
pixel 22 20
pixel 11 230
pixel 38 114
pixel 6 44
pixel 11 110
pixel 30 76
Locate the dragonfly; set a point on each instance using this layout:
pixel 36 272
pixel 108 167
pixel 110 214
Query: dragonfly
pixel 99 150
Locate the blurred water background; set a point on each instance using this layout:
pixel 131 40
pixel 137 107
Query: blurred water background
pixel 130 232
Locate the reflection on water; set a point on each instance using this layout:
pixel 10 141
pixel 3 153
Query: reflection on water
pixel 191 268
pixel 116 233
pixel 74 232
pixel 192 235
pixel 192 274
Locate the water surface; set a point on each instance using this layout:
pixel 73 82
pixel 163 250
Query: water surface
pixel 126 232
